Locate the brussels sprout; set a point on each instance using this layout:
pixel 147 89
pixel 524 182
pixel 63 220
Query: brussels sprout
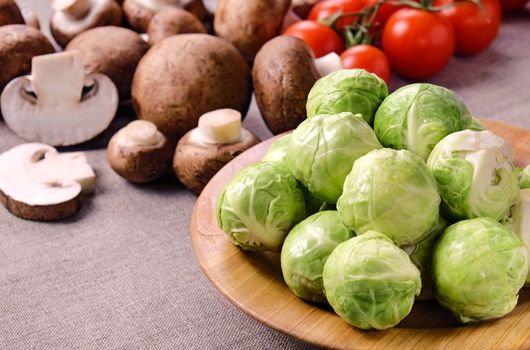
pixel 479 266
pixel 322 150
pixel 524 177
pixel 306 249
pixel 392 192
pixel 519 221
pixel 421 256
pixel 417 116
pixel 277 152
pixel 370 282
pixel 259 206
pixel 475 174
pixel 347 90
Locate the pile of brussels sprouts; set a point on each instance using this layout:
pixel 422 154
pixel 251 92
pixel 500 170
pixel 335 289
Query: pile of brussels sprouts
pixel 371 219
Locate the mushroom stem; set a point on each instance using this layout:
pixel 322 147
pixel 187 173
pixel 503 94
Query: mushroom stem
pixel 74 8
pixel 141 133
pixel 222 126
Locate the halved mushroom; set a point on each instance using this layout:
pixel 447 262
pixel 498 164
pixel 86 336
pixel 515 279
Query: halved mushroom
pixel 58 104
pixel 139 12
pixel 172 22
pixel 139 152
pixel 72 17
pixel 18 44
pixel 38 183
pixel 203 151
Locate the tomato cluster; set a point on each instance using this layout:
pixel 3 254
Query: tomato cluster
pixel 415 40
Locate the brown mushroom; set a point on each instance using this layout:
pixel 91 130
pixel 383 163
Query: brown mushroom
pixel 249 24
pixel 139 12
pixel 18 44
pixel 139 152
pixel 284 71
pixel 10 13
pixel 72 17
pixel 303 7
pixel 30 18
pixel 187 75
pixel 112 51
pixel 203 151
pixel 171 22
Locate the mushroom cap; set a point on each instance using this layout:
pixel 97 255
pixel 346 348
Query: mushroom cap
pixel 102 13
pixel 187 75
pixel 172 22
pixel 58 125
pixel 140 12
pixel 112 51
pixel 196 162
pixel 284 71
pixel 10 13
pixel 18 44
pixel 249 24
pixel 139 163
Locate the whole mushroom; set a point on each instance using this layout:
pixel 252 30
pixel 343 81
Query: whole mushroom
pixel 284 71
pixel 112 51
pixel 139 152
pixel 203 151
pixel 187 75
pixel 10 13
pixel 249 24
pixel 18 45
pixel 171 22
pixel 72 17
pixel 140 12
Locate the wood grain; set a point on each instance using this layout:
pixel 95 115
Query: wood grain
pixel 254 283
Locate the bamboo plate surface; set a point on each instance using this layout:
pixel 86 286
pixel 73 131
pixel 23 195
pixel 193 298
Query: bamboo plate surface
pixel 254 283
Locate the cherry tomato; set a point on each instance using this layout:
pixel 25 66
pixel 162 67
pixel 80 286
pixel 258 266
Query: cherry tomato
pixel 369 58
pixel 325 9
pixel 475 28
pixel 320 38
pixel 385 11
pixel 513 5
pixel 418 43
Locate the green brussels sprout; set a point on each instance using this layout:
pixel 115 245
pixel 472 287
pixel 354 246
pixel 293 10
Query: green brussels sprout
pixel 524 178
pixel 392 192
pixel 519 221
pixel 277 152
pixel 306 249
pixel 259 206
pixel 322 150
pixel 417 116
pixel 475 175
pixel 370 282
pixel 421 256
pixel 347 90
pixel 479 266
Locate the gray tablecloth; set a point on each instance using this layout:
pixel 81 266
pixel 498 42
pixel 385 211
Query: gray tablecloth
pixel 122 274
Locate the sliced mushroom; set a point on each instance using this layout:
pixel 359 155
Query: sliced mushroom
pixel 203 151
pixel 112 51
pixel 172 22
pixel 38 183
pixel 18 44
pixel 58 104
pixel 139 12
pixel 10 13
pixel 139 152
pixel 72 17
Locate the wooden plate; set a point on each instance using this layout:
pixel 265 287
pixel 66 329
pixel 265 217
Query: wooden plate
pixel 254 283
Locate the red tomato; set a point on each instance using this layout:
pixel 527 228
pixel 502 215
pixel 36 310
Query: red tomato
pixel 475 28
pixel 325 9
pixel 369 58
pixel 385 11
pixel 513 5
pixel 418 43
pixel 320 38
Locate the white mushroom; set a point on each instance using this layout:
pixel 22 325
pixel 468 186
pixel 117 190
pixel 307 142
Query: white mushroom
pixel 38 183
pixel 58 104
